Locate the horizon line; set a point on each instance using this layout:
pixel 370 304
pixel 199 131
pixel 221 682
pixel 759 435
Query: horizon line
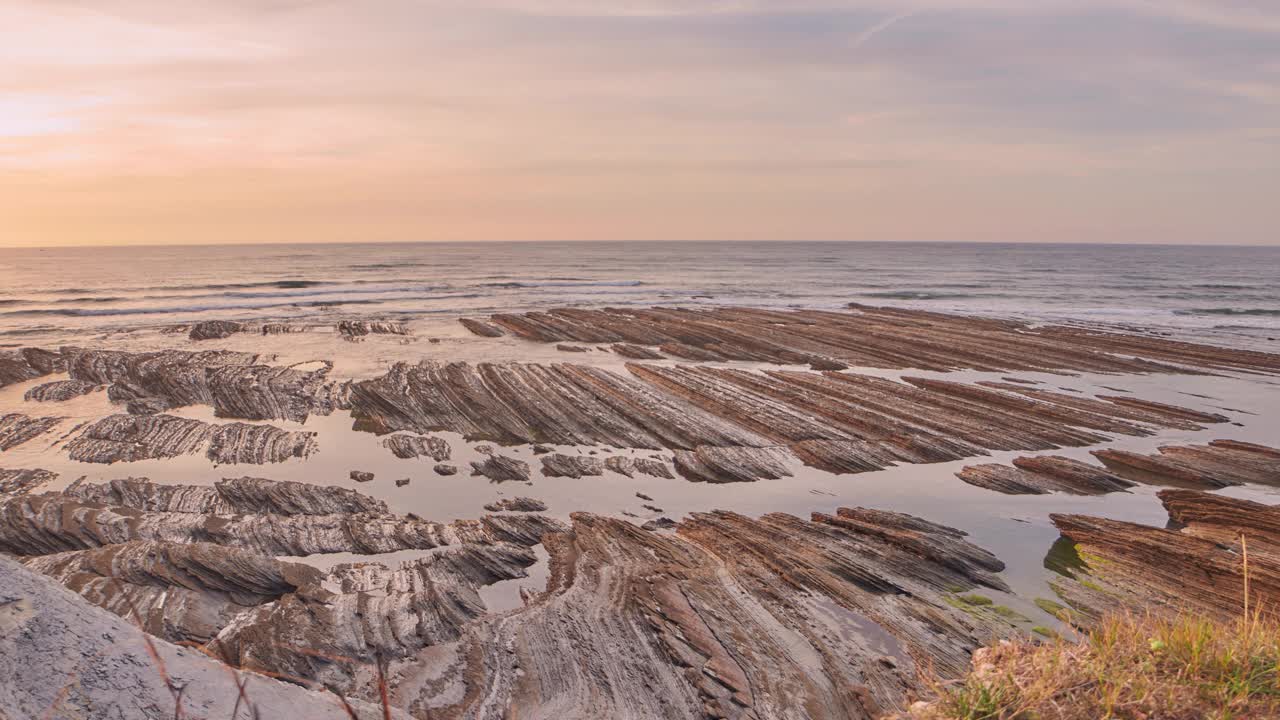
pixel 318 243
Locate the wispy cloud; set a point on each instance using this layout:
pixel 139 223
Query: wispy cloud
pixel 626 118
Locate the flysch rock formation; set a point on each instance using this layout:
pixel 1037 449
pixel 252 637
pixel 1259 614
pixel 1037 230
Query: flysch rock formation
pixel 199 565
pixel 728 617
pixel 834 421
pixel 15 482
pixel 59 391
pixel 1221 463
pixel 731 464
pixel 28 364
pixel 636 352
pixel 514 403
pixel 230 496
pixel 128 438
pixel 1042 474
pixel 17 428
pixel 352 329
pixel 1197 565
pixel 574 466
pixel 407 447
pixel 879 337
pixel 516 504
pixel 214 329
pixel 89 517
pixel 501 468
pixel 629 466
pixel 481 328
pixel 235 384
pixel 61 657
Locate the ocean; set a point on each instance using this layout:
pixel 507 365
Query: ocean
pixel 1229 295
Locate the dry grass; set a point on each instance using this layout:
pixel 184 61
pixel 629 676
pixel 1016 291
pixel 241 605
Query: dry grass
pixel 1127 667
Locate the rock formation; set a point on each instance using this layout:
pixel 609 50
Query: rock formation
pixel 879 337
pixel 481 328
pixel 235 384
pixel 59 391
pixel 412 446
pixel 834 421
pixel 16 428
pixel 636 352
pixel 360 328
pixel 1198 567
pixel 27 364
pixel 62 657
pixel 516 504
pixel 728 617
pixel 230 496
pixel 128 438
pixel 1221 463
pixel 500 469
pixel 574 466
pixel 21 482
pixel 1037 475
pixel 731 464
pixel 215 329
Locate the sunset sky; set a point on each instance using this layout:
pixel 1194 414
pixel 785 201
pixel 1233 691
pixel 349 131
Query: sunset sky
pixel 175 121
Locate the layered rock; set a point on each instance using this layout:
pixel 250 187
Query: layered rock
pixel 835 421
pixel 879 337
pixel 636 352
pixel 728 617
pixel 180 592
pixel 21 482
pixel 59 391
pixel 17 428
pixel 116 671
pixel 231 496
pixel 629 466
pixel 516 504
pixel 731 464
pixel 1041 474
pixel 1197 565
pixel 129 438
pixel 481 328
pixel 235 384
pixel 574 466
pixel 360 328
pixel 411 446
pixel 501 468
pixel 526 404
pixel 215 329
pixel 28 364
pixel 1221 463
pixel 258 444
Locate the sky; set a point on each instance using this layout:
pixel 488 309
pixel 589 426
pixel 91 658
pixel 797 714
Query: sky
pixel 250 121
